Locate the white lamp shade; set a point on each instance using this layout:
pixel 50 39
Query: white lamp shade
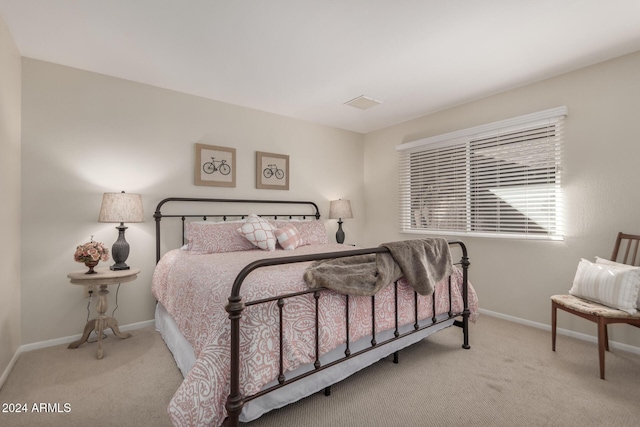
pixel 340 209
pixel 121 207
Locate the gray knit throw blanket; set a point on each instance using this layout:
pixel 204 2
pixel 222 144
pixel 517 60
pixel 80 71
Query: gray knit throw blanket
pixel 423 262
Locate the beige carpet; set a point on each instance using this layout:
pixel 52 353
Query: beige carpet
pixel 509 377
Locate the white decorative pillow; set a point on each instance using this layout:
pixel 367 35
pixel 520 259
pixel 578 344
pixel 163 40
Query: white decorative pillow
pixel 288 237
pixel 612 286
pixel 259 232
pixel 620 265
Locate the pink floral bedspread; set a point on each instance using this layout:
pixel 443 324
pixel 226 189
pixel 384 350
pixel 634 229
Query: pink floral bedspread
pixel 194 289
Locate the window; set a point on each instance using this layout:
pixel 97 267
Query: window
pixel 501 180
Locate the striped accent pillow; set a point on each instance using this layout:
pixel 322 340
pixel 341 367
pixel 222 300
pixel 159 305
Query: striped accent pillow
pixel 621 265
pixel 612 286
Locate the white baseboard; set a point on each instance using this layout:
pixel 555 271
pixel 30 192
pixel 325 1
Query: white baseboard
pixel 64 340
pixel 7 371
pixel 566 332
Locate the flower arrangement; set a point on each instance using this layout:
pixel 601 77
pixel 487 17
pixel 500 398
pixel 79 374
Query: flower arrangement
pixel 91 251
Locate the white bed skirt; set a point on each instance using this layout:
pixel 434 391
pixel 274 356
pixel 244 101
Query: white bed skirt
pixel 185 359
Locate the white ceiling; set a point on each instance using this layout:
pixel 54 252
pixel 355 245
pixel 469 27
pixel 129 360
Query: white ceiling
pixel 305 58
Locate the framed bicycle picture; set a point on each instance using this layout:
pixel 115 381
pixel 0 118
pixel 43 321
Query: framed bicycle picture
pixel 215 166
pixel 272 171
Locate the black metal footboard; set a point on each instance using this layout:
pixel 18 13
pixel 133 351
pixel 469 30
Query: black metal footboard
pixel 236 305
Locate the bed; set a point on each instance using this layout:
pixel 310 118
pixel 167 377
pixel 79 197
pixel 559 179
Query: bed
pixel 250 335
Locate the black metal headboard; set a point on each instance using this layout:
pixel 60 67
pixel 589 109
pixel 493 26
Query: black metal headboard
pixel 159 215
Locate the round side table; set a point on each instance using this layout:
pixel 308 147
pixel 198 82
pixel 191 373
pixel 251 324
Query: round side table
pixel 103 278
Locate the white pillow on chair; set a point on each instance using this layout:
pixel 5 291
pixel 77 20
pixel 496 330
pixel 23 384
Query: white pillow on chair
pixel 610 285
pixel 620 265
pixel 613 263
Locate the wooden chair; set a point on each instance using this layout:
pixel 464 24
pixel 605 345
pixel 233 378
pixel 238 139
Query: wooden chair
pixel 598 313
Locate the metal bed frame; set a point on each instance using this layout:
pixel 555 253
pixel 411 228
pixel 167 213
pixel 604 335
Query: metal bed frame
pixel 236 305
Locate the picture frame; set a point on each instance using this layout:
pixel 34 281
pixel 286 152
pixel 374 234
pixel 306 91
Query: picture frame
pixel 215 165
pixel 272 171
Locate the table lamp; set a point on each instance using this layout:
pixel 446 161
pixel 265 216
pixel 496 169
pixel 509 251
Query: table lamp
pixel 121 207
pixel 340 209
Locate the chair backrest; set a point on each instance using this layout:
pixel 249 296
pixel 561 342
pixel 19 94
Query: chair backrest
pixel 626 249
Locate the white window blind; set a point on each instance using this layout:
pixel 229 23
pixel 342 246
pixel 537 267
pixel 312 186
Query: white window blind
pixel 502 179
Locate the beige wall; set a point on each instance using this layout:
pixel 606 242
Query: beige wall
pixel 10 65
pixel 516 277
pixel 85 134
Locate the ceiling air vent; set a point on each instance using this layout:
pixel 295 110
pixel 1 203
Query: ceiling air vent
pixel 363 102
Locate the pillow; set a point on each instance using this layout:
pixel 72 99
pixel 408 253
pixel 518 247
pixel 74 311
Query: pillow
pixel 215 237
pixel 259 232
pixel 288 237
pixel 620 265
pixel 612 286
pixel 186 230
pixel 612 263
pixel 311 232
